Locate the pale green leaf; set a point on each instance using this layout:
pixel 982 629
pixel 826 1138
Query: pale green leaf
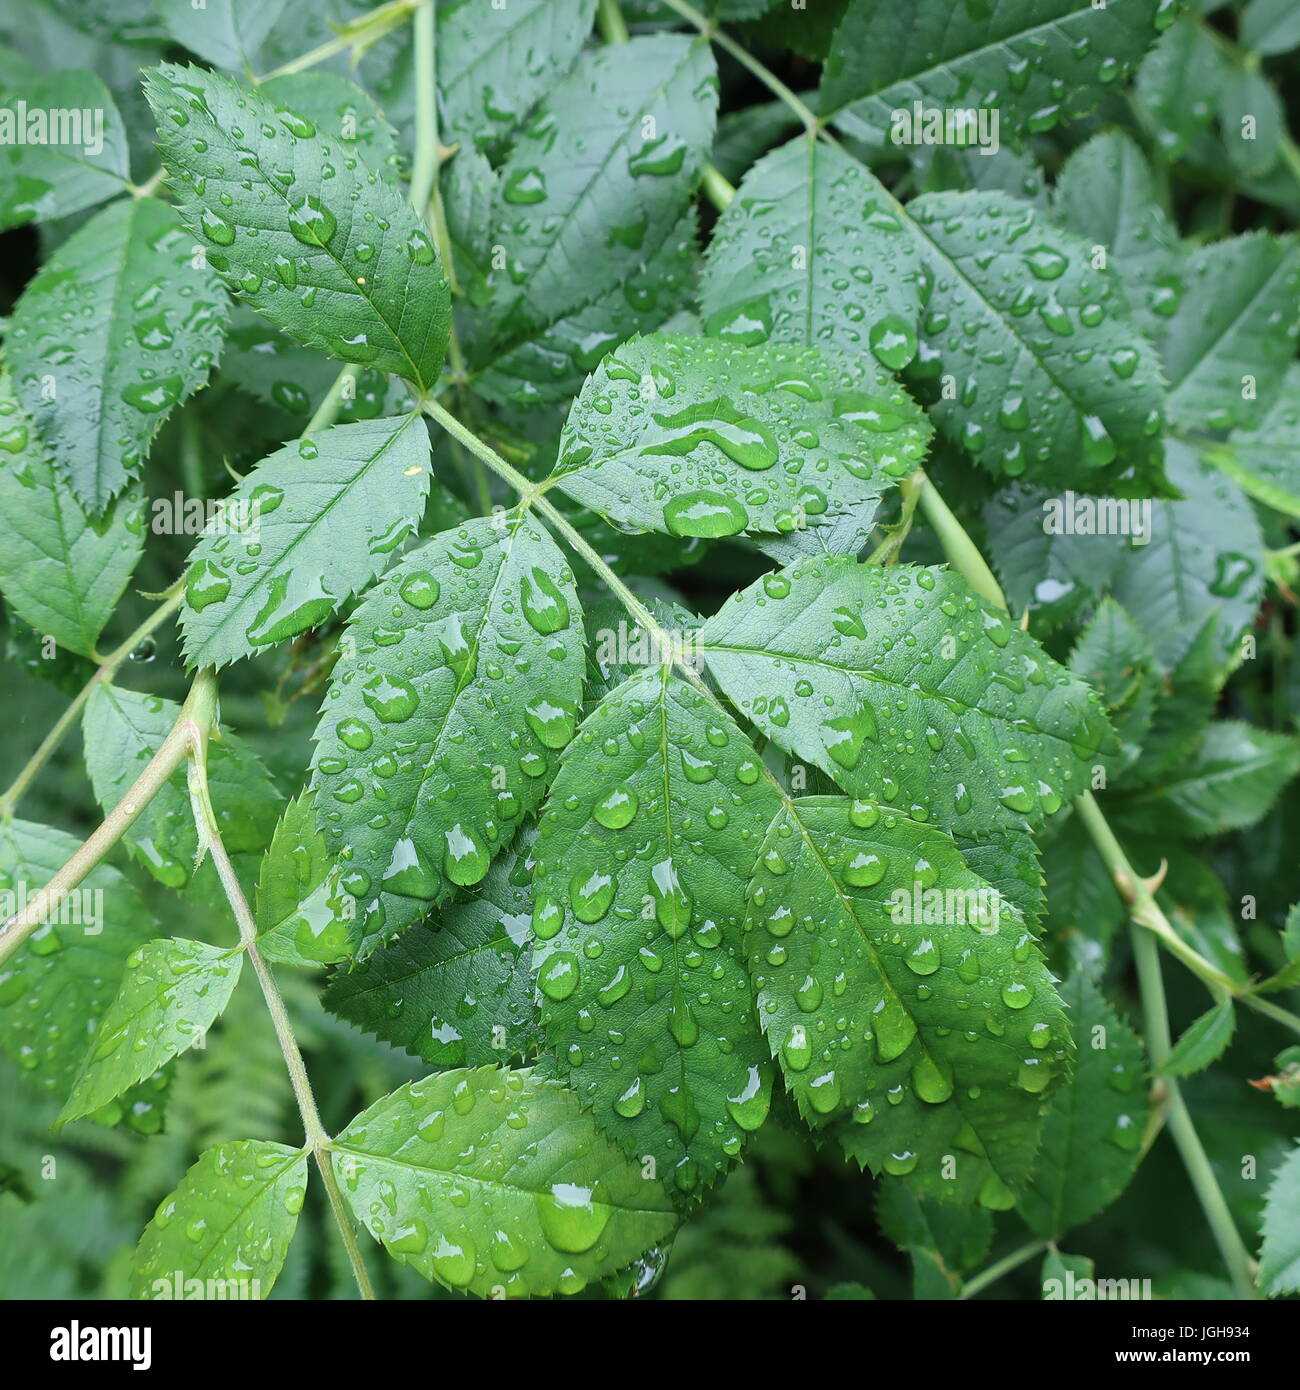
pixel 227 33
pixel 1270 26
pixel 307 528
pixel 495 1183
pixel 1204 1041
pixel 172 991
pixel 1279 1255
pixel 304 916
pixel 227 1226
pixel 1265 460
pixel 1179 84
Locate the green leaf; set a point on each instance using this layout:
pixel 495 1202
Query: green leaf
pixel 959 1235
pixel 496 61
pixel 1035 62
pixel 767 438
pixel 1114 657
pixel 1270 26
pixel 123 730
pixel 643 853
pixel 459 686
pixel 1066 1271
pixel 868 941
pixel 1205 555
pixel 1229 344
pixel 541 1217
pixel 149 323
pixel 1253 122
pixel 337 259
pixel 227 33
pixel 457 988
pixel 1229 782
pixel 228 1225
pixel 1184 707
pixel 1265 461
pixel 304 916
pixel 47 174
pixel 306 529
pixel 1092 1139
pixel 1047 365
pixel 61 570
pixel 1082 899
pixel 906 689
pixel 55 990
pixel 1179 84
pixel 171 993
pixel 340 108
pixel 1279 1255
pixel 812 251
pixel 1204 1041
pixel 586 189
pixel 1008 860
pixel 1106 194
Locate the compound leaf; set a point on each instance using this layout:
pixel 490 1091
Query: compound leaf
pixel 905 688
pixel 552 1205
pixel 114 330
pixel 172 991
pixel 702 438
pixel 643 853
pixel 311 237
pixel 228 1224
pixel 307 528
pixel 460 684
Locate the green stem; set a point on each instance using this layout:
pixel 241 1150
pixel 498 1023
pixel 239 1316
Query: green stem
pixel 717 189
pixel 108 668
pixel 328 410
pixel 979 1282
pixel 170 755
pixel 205 821
pixel 962 552
pixel 610 22
pixel 1179 1120
pixel 360 33
pixel 765 75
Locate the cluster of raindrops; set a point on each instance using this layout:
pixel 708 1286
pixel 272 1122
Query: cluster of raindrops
pixel 439 736
pixel 780 439
pixel 857 680
pixel 490 1212
pixel 647 842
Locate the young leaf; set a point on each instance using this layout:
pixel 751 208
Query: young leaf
pixel 459 686
pixel 885 941
pixel 1279 1255
pixel 304 916
pixel 1204 1041
pixel 542 1217
pixel 643 852
pixel 1235 325
pixel 586 188
pixel 61 569
pixel 1234 776
pixel 812 251
pixel 496 61
pixel 1035 62
pixel 172 991
pixel 1179 84
pixel 307 528
pixel 906 689
pixel 756 439
pixel 123 730
pixel 54 993
pixel 311 237
pixel 46 173
pixel 227 33
pixel 1093 1136
pixel 148 326
pixel 456 989
pixel 228 1224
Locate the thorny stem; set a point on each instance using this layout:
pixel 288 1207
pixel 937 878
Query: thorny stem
pixel 205 821
pixel 107 670
pixel 1190 1149
pixel 170 755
